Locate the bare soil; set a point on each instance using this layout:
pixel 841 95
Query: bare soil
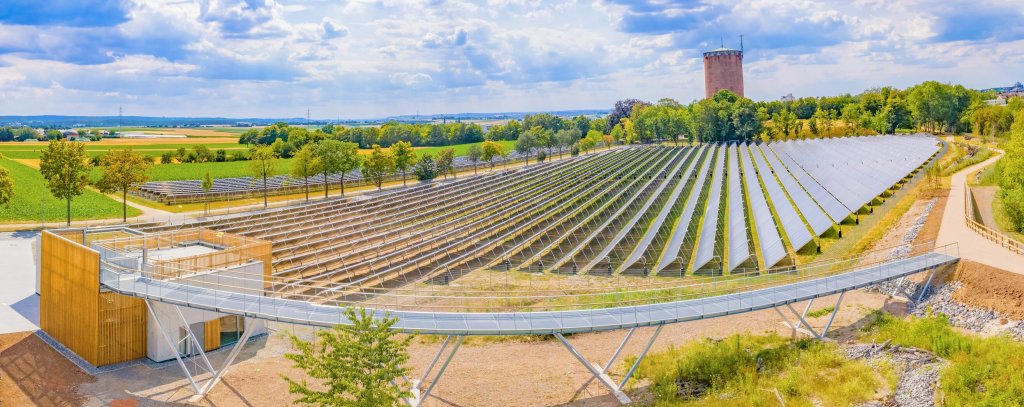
pixel 33 373
pixel 984 196
pixel 991 288
pixel 930 231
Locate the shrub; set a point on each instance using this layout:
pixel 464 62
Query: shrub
pixel 982 371
pixel 167 158
pixel 425 169
pixel 239 155
pixel 221 156
pixel 541 156
pixel 1013 207
pixel 746 369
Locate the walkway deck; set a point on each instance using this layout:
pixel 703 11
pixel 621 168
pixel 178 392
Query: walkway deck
pixel 974 246
pixel 523 323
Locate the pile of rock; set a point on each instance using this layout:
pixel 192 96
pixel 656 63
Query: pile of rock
pixel 918 371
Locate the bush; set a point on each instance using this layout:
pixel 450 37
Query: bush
pixel 203 153
pixel 190 157
pixel 982 371
pixel 167 158
pixel 239 155
pixel 746 369
pixel 1013 207
pixel 425 169
pixel 541 156
pixel 221 155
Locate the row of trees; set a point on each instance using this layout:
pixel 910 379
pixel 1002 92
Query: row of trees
pixel 1011 179
pixel 293 138
pixel 8 133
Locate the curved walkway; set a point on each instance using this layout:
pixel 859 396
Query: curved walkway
pixel 973 246
pixel 129 282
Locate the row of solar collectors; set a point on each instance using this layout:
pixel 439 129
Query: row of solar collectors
pixel 240 185
pixel 644 211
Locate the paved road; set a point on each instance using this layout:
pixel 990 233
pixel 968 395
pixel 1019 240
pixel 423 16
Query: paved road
pixel 973 246
pixel 19 304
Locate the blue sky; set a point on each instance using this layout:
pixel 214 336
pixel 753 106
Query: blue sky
pixel 358 59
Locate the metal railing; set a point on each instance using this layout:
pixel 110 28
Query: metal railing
pixel 547 293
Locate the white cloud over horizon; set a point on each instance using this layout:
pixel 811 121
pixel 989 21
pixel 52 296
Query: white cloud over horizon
pixel 360 59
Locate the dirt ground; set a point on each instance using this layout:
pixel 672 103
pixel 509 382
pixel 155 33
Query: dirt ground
pixel 930 231
pixel 983 197
pixel 32 373
pixel 989 287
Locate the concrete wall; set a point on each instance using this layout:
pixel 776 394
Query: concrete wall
pixel 236 279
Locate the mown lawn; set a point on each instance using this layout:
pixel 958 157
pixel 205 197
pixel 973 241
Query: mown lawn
pixel 32 199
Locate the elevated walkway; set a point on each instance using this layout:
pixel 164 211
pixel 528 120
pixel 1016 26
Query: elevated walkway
pixel 777 291
pixel 132 283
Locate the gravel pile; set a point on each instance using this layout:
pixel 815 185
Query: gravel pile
pixel 918 372
pixel 940 300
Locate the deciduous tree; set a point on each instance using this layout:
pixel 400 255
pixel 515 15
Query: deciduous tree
pixel 446 162
pixel 6 187
pixel 474 153
pixel 65 166
pixel 262 165
pixel 379 165
pixel 356 364
pixel 305 164
pixel 405 157
pixel 490 151
pixel 122 171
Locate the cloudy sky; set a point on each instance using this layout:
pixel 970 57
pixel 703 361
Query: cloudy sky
pixel 360 59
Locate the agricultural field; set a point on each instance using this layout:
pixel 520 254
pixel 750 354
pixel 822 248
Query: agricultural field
pixel 30 189
pixel 154 148
pixel 195 132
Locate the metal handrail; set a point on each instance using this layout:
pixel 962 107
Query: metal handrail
pixel 547 300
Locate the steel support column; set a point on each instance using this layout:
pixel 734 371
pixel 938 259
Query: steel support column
pixel 601 373
pixel 417 397
pixel 215 374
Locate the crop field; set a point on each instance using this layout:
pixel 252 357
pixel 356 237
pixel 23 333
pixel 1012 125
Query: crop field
pixel 30 194
pixel 197 132
pixel 154 148
pixel 645 212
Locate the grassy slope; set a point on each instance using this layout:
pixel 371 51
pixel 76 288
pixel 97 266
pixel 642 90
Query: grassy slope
pixel 992 364
pixel 802 373
pixel 29 189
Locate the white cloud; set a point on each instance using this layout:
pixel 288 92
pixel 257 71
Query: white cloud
pixel 366 58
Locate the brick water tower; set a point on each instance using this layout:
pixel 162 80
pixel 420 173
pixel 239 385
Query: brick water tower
pixel 723 69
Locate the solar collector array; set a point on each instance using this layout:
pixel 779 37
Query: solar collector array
pixel 794 227
pixel 772 248
pixel 739 251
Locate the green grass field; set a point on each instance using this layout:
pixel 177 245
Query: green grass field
pixel 186 171
pixel 30 194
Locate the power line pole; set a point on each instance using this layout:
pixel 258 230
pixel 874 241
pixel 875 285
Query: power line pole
pixel 120 115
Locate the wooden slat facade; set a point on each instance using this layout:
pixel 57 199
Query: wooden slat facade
pixel 100 327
